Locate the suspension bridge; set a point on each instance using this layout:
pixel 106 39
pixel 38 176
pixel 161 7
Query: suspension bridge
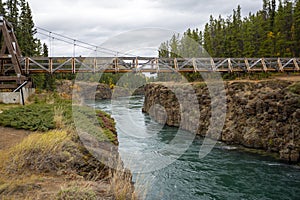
pixel 15 69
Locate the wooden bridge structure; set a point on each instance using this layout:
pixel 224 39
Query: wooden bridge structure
pixel 155 65
pixel 15 69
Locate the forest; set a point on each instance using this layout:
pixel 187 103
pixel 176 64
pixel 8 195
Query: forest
pixel 273 31
pixel 19 14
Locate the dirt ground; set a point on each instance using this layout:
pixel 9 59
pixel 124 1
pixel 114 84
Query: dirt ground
pixel 289 78
pixel 10 137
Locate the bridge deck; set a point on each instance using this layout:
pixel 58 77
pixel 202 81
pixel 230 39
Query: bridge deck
pixel 150 64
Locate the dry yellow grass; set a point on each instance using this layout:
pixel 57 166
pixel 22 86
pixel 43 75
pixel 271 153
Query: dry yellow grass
pixel 58 117
pixel 23 167
pixel 76 192
pixel 34 152
pixel 120 183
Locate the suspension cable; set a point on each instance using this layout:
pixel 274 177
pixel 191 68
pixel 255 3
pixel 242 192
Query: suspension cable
pixel 65 38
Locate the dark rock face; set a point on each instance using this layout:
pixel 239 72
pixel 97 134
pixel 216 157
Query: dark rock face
pixel 261 115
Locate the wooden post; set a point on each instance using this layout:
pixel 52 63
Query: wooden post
pixel 230 65
pixel 280 65
pixel 213 65
pixel 194 64
pixel 18 49
pixel 116 64
pixel 247 65
pixel 95 65
pixel 8 43
pixel 27 65
pixel 152 64
pixel 136 63
pixel 296 64
pixel 73 66
pixel 265 69
pixel 51 65
pixel 175 64
pixel 157 65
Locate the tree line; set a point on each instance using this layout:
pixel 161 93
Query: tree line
pixel 273 31
pixel 19 14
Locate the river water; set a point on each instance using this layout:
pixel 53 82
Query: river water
pixel 225 173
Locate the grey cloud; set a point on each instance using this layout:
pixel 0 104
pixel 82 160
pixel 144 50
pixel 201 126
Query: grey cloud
pixel 96 21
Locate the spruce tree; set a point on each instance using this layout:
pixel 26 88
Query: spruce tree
pixel 174 46
pixel 163 51
pixel 2 8
pixel 249 39
pixel 12 7
pixel 208 39
pixel 272 14
pixel 45 50
pixel 28 43
pixel 270 32
pixel 296 29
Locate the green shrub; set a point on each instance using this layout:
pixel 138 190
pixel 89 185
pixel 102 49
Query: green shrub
pixel 35 117
pixel 95 122
pixel 295 88
pixel 53 112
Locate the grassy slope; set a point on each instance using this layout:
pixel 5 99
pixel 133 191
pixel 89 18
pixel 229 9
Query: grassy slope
pixel 52 163
pixel 57 113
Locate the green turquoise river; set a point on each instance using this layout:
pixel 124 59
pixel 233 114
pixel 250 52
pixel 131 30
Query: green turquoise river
pixel 225 173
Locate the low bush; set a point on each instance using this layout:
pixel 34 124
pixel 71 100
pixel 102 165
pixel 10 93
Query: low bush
pixel 35 117
pixel 58 114
pixel 295 88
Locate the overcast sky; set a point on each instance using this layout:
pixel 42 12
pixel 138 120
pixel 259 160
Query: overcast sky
pixel 99 21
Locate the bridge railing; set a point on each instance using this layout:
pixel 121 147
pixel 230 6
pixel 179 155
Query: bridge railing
pixel 73 65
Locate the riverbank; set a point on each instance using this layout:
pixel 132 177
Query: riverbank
pixel 260 114
pixel 93 90
pixel 51 161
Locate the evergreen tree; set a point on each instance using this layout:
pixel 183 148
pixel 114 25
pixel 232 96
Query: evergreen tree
pixel 271 32
pixel 208 39
pixel 237 43
pixel 190 44
pixel 28 44
pixel 45 50
pixel 164 50
pixel 249 37
pixel 2 8
pixel 296 29
pixel 13 13
pixel 174 46
pixel 272 13
pixel 283 29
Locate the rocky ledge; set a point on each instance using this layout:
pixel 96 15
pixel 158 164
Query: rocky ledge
pixel 260 115
pixel 92 90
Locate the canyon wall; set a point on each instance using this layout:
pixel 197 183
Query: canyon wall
pixel 259 114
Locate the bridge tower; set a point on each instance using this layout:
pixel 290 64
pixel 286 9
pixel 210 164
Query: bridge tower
pixel 12 77
pixel 10 56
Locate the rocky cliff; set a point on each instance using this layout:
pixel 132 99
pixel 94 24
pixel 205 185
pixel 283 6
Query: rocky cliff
pixel 261 115
pixel 90 90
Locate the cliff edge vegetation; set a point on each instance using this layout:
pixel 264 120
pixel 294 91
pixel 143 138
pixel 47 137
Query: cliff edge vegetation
pixel 43 156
